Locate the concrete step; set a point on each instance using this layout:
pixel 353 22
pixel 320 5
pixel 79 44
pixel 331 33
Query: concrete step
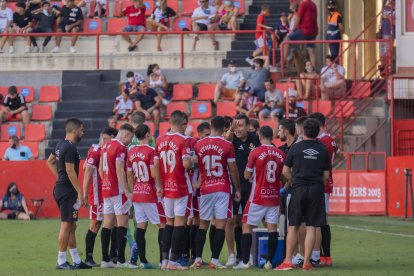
pixel 88 105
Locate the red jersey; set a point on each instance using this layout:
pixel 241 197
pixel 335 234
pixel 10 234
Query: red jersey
pixel 260 20
pixel 170 150
pixel 140 160
pixel 95 188
pixel 136 17
pixel 266 164
pixel 308 15
pixel 214 154
pixel 111 152
pixel 332 149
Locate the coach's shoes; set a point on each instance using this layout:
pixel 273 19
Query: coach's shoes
pixel 268 265
pixel 215 264
pixel 81 265
pixel 91 263
pixel 285 266
pixel 146 266
pixel 242 265
pixel 175 266
pixel 126 265
pixel 65 266
pixel 109 264
pixel 231 260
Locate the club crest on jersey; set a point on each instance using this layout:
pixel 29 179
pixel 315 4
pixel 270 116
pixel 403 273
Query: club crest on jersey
pixel 75 214
pixel 90 161
pixel 251 146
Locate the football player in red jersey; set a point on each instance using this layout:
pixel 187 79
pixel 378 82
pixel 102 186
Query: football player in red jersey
pixel 172 159
pixel 116 197
pixel 264 167
pixel 323 234
pixel 93 193
pixel 216 160
pixel 147 205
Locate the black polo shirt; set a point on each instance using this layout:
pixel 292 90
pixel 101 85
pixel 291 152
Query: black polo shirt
pixel 242 151
pixel 15 103
pixel 66 152
pixel 308 160
pixel 285 148
pixel 147 100
pixel 22 21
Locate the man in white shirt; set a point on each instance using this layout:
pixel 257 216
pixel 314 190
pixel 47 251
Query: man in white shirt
pixel 205 18
pixel 332 79
pixel 6 19
pixel 229 83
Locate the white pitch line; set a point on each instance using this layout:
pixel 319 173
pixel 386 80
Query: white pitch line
pixel 374 231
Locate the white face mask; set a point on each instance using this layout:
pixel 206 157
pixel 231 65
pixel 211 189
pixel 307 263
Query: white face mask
pixel 227 3
pixel 157 4
pixel 131 79
pixel 45 12
pixel 232 69
pixel 309 69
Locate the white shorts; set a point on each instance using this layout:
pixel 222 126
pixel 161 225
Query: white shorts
pixel 118 205
pixel 177 207
pixel 254 213
pixel 217 205
pixel 152 212
pixel 95 212
pixel 327 203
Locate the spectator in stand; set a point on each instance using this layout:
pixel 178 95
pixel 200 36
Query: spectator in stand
pixel 294 110
pixel 157 81
pixel 6 20
pixel 305 28
pixel 249 104
pixel 282 28
pixel 17 152
pixel 387 28
pixel 22 24
pixel 307 81
pixel 136 23
pixel 260 74
pixel 71 21
pixel 332 79
pixel 228 16
pixel 335 28
pixel 33 6
pixel 293 52
pixel 100 8
pixel 124 107
pixel 274 102
pixel 45 22
pixel 229 83
pixel 205 18
pixel 13 205
pixel 131 85
pixel 260 40
pixel 112 122
pixel 148 102
pixel 160 20
pixel 14 107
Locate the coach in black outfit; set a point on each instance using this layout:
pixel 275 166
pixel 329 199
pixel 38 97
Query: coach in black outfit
pixel 64 164
pixel 306 168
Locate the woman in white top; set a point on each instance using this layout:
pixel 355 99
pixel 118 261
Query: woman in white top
pixel 161 19
pixel 157 81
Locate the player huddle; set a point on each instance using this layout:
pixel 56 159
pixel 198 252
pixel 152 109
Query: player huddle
pixel 229 178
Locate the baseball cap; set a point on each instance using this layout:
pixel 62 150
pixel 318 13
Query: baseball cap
pixel 331 2
pixel 232 62
pixel 283 14
pixel 247 89
pixel 141 81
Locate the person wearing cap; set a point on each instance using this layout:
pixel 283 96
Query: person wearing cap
pixel 282 28
pixel 334 29
pixel 17 152
pixel 294 111
pixel 229 83
pixel 22 24
pixel 249 104
pixel 14 108
pixel 6 19
pixel 44 24
pixel 148 102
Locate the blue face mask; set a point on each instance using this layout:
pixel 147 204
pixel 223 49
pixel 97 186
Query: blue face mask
pixel 207 11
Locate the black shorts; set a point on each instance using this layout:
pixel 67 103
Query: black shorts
pixel 202 27
pixel 66 199
pixel 242 203
pixel 62 27
pixel 307 205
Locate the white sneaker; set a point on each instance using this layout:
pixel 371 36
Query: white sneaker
pixel 42 49
pixel 72 49
pixel 164 264
pixel 109 264
pixel 126 265
pixel 56 49
pixel 11 50
pixel 28 50
pixel 268 265
pixel 35 49
pixel 241 265
pixel 251 259
pixel 231 260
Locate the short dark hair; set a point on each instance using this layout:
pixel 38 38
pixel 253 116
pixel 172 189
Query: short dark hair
pixel 270 81
pixel 265 7
pixel 130 74
pixel 11 184
pixel 127 127
pixel 12 90
pixel 318 117
pixel 203 126
pixel 243 117
pixel 45 3
pixel 299 121
pixel 289 125
pixel 311 128
pixel 110 131
pixel 227 121
pixel 266 132
pixel 178 117
pixel 141 131
pixel 331 58
pixel 72 124
pixel 138 117
pixel 218 123
pixel 259 61
pixel 255 124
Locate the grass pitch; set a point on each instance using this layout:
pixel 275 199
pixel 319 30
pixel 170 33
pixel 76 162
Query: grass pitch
pixel 360 246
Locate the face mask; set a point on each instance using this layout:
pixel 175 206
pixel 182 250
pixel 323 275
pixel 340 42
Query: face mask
pixel 331 9
pixel 292 11
pixel 158 72
pixel 309 70
pixel 227 3
pixel 131 79
pixel 13 190
pixel 232 69
pixel 207 11
pixel 157 4
pixel 45 12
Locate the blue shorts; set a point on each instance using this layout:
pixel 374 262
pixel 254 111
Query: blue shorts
pixel 278 111
pixel 297 35
pixel 130 28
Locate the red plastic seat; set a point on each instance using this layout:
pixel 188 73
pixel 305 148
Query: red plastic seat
pixel 3 147
pixel 10 130
pixel 304 105
pixel 120 5
pixel 92 25
pixel 116 24
pixel 201 110
pixel 206 91
pixel 150 125
pixel 284 86
pixel 12 6
pixel 344 109
pixel 34 147
pixel 361 89
pixel 173 4
pixel 149 5
pixel 195 124
pixel 226 109
pixel 171 107
pixel 270 123
pixel 324 107
pixel 182 92
pixel 4 90
pixel 49 94
pixel 181 23
pixel 164 127
pixel 35 133
pixel 241 5
pixel 27 92
pixel 41 112
pixel 188 7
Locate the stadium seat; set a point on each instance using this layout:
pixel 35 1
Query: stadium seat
pixel 49 94
pixel 182 106
pixel 117 8
pixel 92 10
pixel 325 107
pixel 173 4
pixel 226 109
pixel 241 5
pixel 54 3
pixel 270 123
pixel 304 105
pixel 92 25
pixel 34 147
pixel 361 89
pixel 12 6
pixel 116 24
pixel 200 110
pixel 35 133
pixel 149 7
pixel 206 91
pixel 27 92
pixel 41 112
pixel 4 90
pixel 283 86
pixel 344 109
pixel 188 7
pixel 181 23
pixel 195 124
pixel 10 130
pixel 3 147
pixel 164 127
pixel 182 92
